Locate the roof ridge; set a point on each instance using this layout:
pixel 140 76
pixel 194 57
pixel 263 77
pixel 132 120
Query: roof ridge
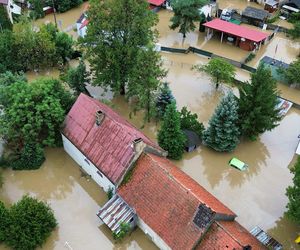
pixel 229 232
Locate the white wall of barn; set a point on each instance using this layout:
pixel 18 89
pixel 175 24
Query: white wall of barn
pixel 159 242
pixel 87 165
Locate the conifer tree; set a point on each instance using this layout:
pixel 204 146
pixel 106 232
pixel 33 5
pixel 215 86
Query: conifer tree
pixel 222 133
pixel 170 136
pixel 257 104
pixel 164 99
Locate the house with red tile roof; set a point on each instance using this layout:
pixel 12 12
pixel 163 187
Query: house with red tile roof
pixel 177 213
pixel 103 143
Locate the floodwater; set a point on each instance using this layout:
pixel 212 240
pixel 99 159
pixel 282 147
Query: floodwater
pixel 75 201
pixel 256 195
pixel 239 5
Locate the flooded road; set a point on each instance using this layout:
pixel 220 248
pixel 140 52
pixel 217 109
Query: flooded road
pixel 75 201
pixel 256 195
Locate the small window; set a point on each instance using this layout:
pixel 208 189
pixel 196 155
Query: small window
pixel 87 161
pixel 99 173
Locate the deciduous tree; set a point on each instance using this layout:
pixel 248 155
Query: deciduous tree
pixel 292 73
pixel 185 14
pixel 146 81
pixel 117 32
pixel 219 70
pixel 31 223
pixel 293 193
pixel 170 136
pixel 223 133
pixel 258 101
pixel 190 121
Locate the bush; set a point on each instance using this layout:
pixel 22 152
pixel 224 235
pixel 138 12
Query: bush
pixel 124 230
pixel 31 223
pixel 249 57
pixel 4 20
pixel 5 220
pixel 274 18
pixel 31 157
pixel 190 121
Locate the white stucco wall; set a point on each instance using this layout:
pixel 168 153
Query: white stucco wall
pixel 159 242
pixel 86 165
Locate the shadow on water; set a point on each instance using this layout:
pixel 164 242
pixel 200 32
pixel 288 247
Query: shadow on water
pixel 287 231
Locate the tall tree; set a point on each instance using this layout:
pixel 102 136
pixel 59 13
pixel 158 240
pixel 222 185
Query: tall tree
pixel 33 113
pixel 170 136
pixel 292 73
pixel 190 121
pixel 165 97
pixel 219 70
pixel 185 14
pixel 146 83
pixel 4 19
pixel 223 133
pixel 117 32
pixel 77 78
pixel 293 193
pixel 258 101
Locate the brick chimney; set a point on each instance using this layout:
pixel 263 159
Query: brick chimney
pixel 99 117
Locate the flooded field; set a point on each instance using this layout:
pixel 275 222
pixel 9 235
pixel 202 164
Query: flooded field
pixel 256 195
pixel 75 201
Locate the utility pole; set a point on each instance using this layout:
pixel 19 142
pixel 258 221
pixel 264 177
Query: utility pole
pixel 54 13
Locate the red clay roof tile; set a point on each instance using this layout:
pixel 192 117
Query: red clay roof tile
pixel 108 146
pixel 167 199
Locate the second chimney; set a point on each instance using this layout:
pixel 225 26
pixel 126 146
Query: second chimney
pixel 99 117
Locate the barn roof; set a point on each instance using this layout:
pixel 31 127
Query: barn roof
pixel 108 146
pixel 170 202
pixel 236 30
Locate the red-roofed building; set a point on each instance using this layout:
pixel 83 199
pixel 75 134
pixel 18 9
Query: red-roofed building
pixel 177 213
pixel 103 143
pixel 243 37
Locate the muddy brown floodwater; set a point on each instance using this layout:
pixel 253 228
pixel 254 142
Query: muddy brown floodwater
pixel 256 195
pixel 75 201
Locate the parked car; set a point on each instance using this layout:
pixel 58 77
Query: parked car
pixel 236 163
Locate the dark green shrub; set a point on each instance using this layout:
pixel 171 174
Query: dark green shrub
pixel 31 223
pixel 31 157
pixel 4 221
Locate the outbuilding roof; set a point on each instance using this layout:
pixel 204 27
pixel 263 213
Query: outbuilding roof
pixel 236 30
pixel 229 235
pixel 170 202
pixel 5 2
pixel 109 146
pixel 156 2
pixel 255 13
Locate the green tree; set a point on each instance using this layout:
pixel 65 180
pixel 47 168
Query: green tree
pixel 34 113
pixel 185 14
pixel 77 78
pixel 34 50
pixel 8 60
pixel 5 220
pixel 124 230
pixel 219 70
pixel 258 101
pixel 190 121
pixel 64 5
pixel 117 32
pixel 170 136
pixel 4 20
pixel 32 222
pixel 295 32
pixel 223 133
pixel 292 73
pixel 164 98
pixel 293 194
pixel 37 6
pixel 146 83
